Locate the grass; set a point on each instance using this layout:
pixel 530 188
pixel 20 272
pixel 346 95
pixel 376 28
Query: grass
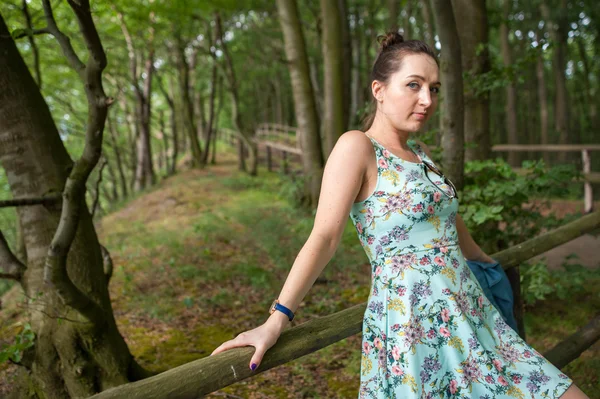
pixel 200 257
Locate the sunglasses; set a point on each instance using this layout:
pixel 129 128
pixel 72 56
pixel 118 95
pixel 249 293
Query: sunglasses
pixel 430 167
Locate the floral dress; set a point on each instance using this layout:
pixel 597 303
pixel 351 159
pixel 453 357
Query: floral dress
pixel 428 330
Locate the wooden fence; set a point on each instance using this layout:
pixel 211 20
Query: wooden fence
pixel 588 176
pixel 211 373
pixel 284 139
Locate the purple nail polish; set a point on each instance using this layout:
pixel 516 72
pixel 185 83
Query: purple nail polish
pixel 253 367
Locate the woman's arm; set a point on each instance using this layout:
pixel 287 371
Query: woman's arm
pixel 467 244
pixel 342 179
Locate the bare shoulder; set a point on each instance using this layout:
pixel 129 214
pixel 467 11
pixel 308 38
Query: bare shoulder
pixel 353 145
pixel 423 147
pixel 356 138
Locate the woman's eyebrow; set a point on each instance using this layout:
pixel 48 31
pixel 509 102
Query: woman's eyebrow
pixel 422 78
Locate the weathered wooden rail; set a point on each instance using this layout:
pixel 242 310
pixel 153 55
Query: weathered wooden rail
pixel 588 176
pixel 209 374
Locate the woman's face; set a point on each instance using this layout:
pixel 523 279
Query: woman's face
pixel 411 96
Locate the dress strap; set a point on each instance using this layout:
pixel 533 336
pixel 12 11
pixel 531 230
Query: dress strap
pixel 419 151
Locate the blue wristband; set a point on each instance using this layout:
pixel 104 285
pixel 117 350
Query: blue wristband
pixel 277 306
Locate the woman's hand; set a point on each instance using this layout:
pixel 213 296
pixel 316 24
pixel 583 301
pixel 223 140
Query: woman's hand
pixel 262 338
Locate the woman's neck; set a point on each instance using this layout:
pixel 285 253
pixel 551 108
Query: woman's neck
pixel 382 131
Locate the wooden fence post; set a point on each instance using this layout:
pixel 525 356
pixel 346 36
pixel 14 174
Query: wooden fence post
pixel 284 163
pixel 269 159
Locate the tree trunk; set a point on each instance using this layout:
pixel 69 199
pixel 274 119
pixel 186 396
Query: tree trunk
pixel 71 357
pixel 346 64
pixel 406 28
pixel 245 133
pixel 117 151
pixel 187 104
pixel 356 83
pixel 429 25
pixel 542 100
pixel 473 32
pixel 589 87
pixel 558 29
pixel 394 12
pixel 144 171
pixel 304 100
pixel 511 93
pixel 452 108
pixel 209 130
pixel 333 113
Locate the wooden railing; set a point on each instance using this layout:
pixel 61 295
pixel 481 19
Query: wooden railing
pixel 212 373
pixel 284 139
pixel 585 149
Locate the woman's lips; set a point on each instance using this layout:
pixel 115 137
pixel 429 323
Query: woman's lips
pixel 419 116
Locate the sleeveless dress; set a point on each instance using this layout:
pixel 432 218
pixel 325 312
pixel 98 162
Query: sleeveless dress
pixel 428 330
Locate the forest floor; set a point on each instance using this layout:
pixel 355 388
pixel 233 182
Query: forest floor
pixel 199 258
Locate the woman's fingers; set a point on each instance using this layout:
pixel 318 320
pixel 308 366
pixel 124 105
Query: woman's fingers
pixel 257 357
pixel 233 343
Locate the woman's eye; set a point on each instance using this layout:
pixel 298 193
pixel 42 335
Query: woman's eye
pixel 435 90
pixel 413 85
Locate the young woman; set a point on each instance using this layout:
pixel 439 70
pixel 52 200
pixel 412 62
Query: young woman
pixel 428 331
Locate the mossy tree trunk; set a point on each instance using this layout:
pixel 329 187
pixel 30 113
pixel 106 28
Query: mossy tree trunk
pixel 304 100
pixel 452 120
pixel 77 349
pixel 473 33
pixel 333 71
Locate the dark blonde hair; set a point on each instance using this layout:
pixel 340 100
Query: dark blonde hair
pixel 389 59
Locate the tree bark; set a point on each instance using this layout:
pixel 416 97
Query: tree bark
pixel 144 170
pixel 245 132
pixel 429 25
pixel 346 63
pixel 78 350
pixel 542 102
pixel 394 13
pixel 173 122
pixel 34 48
pixel 406 29
pixel 117 151
pixel 187 104
pixel 304 100
pixel 558 29
pixel 452 108
pixel 333 113
pixel 592 110
pixel 511 93
pixel 357 85
pixel 473 33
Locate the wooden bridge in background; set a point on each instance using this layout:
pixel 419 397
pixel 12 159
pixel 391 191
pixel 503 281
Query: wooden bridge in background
pixel 284 139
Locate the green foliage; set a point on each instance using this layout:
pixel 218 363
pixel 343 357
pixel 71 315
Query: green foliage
pixel 502 207
pixel 292 189
pixel 23 341
pixel 538 282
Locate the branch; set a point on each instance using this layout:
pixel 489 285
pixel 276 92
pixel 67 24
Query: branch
pixel 34 48
pixel 133 62
pixel 63 41
pixel 46 200
pixel 95 204
pixel 55 270
pixel 32 32
pixel 10 267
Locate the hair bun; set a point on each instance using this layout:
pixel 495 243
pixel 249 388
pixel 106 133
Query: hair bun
pixel 389 39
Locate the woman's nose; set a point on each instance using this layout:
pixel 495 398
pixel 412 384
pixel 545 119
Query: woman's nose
pixel 425 97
